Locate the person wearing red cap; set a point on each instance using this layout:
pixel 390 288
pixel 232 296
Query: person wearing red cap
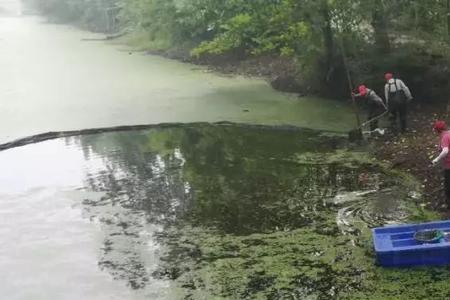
pixel 440 128
pixel 374 102
pixel 397 97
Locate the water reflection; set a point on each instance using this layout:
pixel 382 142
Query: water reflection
pixel 141 188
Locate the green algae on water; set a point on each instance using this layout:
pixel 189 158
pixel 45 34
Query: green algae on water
pixel 280 215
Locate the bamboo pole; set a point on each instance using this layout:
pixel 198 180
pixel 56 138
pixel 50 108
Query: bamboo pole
pixel 350 85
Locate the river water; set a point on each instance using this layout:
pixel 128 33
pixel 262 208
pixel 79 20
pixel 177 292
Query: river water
pixel 51 80
pixel 195 212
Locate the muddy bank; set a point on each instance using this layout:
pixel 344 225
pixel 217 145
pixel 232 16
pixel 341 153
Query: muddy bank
pixel 282 73
pixel 413 152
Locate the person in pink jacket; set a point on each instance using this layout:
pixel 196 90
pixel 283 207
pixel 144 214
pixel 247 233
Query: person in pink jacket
pixel 440 128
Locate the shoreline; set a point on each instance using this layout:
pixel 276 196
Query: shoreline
pixel 280 73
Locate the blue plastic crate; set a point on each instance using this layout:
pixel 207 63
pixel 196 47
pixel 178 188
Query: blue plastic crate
pixel 395 245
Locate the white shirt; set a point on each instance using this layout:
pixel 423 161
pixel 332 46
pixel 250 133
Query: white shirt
pixel 394 85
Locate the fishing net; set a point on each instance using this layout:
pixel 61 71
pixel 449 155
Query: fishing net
pixel 428 236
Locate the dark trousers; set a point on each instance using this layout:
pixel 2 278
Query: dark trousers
pixel 398 108
pixel 447 185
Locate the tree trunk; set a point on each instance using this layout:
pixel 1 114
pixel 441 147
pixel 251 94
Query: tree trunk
pixel 416 16
pixel 328 38
pixel 380 27
pixel 448 17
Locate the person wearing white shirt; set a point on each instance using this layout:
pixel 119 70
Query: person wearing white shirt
pixel 397 97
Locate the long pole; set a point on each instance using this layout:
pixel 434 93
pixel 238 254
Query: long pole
pixel 350 85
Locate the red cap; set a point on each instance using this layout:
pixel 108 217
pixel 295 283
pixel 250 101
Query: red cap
pixel 440 126
pixel 388 76
pixel 362 90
